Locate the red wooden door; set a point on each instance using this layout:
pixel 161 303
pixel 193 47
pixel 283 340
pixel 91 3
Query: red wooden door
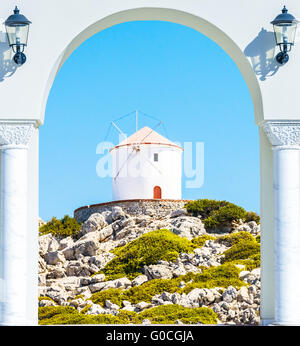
pixel 157 192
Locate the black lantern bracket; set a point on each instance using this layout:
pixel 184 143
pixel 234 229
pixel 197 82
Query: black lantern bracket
pixel 284 26
pixel 17 29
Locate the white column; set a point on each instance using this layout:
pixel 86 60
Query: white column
pixel 285 139
pixel 14 138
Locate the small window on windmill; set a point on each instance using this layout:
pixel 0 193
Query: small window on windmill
pixel 155 157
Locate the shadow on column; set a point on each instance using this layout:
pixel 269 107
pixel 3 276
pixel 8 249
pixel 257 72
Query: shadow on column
pixel 7 66
pixel 261 51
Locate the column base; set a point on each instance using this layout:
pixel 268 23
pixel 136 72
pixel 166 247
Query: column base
pixel 266 322
pixel 288 324
pixel 26 323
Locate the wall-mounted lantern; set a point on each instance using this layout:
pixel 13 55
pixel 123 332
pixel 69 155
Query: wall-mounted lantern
pixel 285 26
pixel 17 28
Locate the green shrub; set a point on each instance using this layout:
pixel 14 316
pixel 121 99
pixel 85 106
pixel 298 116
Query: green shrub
pixel 169 314
pixel 236 238
pixel 220 276
pixel 148 249
pixel 224 216
pixel 200 241
pixel 146 291
pixel 45 298
pixel 136 294
pixel 218 214
pixel 249 263
pixel 112 294
pixel 204 207
pixel 78 296
pixel 165 314
pixel 252 216
pixel 48 312
pixel 242 250
pixel 86 309
pixel 65 227
pixel 67 315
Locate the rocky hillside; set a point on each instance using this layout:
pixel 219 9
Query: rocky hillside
pixel 192 266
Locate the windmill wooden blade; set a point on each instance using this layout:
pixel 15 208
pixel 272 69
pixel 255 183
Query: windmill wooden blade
pixel 124 163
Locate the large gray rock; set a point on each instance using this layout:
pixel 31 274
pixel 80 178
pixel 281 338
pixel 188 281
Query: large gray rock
pixel 243 295
pixel 122 283
pixel 65 243
pixel 117 213
pixel 179 271
pixel 107 216
pixel 187 227
pixel 46 302
pixel 47 243
pixel 97 278
pixel 139 280
pixel 194 297
pixel 106 233
pixel 101 260
pixel 57 293
pixel 56 272
pixel 77 268
pixel 42 279
pixel 179 212
pixel 54 257
pixel 111 306
pixel 207 296
pixel 42 266
pixel 99 286
pixel 86 246
pixel 94 223
pixel 95 309
pixel 158 271
pixel 143 305
pixel 229 294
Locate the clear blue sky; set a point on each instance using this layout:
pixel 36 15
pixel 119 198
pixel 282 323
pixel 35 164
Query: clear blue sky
pixel 163 69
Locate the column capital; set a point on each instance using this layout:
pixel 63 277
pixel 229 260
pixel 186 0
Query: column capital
pixel 282 134
pixel 16 133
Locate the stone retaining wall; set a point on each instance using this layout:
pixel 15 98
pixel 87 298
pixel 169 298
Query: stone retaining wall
pixel 135 207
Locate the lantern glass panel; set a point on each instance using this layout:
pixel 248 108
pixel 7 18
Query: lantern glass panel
pixel 285 33
pixel 17 34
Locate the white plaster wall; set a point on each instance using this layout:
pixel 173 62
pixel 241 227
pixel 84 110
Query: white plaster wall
pixel 134 174
pixel 60 26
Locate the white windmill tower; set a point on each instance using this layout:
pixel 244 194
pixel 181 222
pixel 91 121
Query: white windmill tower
pixel 146 165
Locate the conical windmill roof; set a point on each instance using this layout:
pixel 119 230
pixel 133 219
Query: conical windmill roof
pixel 146 136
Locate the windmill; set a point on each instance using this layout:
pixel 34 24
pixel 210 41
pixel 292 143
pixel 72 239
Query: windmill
pixel 158 159
pixel 135 148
